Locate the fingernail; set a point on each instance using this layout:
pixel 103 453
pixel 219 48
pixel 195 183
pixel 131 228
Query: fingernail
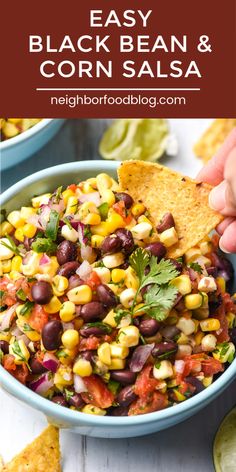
pixel 217 197
pixel 222 248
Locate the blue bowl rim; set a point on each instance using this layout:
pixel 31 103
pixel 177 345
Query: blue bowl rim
pixel 37 128
pixel 75 417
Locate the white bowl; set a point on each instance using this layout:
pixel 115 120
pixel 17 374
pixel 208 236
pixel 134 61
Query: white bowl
pixel 17 149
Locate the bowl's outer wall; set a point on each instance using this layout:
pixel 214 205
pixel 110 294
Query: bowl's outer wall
pixel 20 194
pixel 19 151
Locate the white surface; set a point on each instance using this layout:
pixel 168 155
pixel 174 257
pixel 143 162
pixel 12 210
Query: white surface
pixel 183 448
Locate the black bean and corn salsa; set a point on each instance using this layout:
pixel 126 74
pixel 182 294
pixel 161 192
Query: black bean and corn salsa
pixel 96 317
pixel 11 127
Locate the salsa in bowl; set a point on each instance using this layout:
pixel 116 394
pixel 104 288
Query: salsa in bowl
pixel 97 318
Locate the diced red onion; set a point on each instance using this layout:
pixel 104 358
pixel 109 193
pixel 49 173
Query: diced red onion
pixel 59 207
pixel 7 317
pixel 179 366
pixel 44 216
pixel 42 384
pixel 16 331
pixel 34 220
pixel 24 338
pixel 93 197
pixel 26 258
pixel 192 274
pixel 44 260
pixel 84 270
pixel 140 356
pixel 79 384
pixel 50 362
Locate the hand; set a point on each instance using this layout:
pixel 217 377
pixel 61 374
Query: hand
pixel 220 171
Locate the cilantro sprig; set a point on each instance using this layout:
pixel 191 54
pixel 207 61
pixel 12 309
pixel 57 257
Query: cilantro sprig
pixel 160 297
pixel 195 266
pixel 44 245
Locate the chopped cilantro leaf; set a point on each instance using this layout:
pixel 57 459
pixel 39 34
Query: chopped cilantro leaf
pixel 44 245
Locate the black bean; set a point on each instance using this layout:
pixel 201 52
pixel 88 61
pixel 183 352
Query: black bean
pixel 41 292
pixel 75 281
pixel 169 332
pixel 196 383
pixel 106 296
pixel 92 311
pixel 68 269
pixel 111 244
pixel 126 396
pixel 126 198
pixel 212 271
pixel 87 331
pixel 36 366
pixel 232 333
pixel 127 239
pixel 66 252
pixel 51 335
pixel 60 400
pixel 166 222
pixel 119 411
pixel 4 346
pixel 178 265
pixel 165 348
pixel 148 327
pixel 125 377
pixel 156 249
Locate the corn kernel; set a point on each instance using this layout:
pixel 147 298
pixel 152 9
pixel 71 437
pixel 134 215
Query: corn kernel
pixel 104 182
pixel 96 240
pixel 67 311
pixel 183 284
pixel 92 219
pixel 93 410
pixel 41 200
pixel 117 364
pixel 115 288
pixel 221 284
pixel 169 237
pixel 138 209
pixel 53 306
pixel 103 273
pixel 19 235
pixel 131 279
pixel 26 212
pixel 5 336
pixel 67 355
pixel 208 342
pixel 51 268
pixel 67 194
pixel 198 338
pixel 59 285
pixel 20 352
pixel 87 188
pixel 80 295
pixel 82 367
pixel 178 395
pixel 118 275
pixel 144 219
pixel 231 319
pixel 29 230
pixel 104 353
pixel 110 319
pixel 85 209
pixel 72 205
pixel 14 275
pixel 128 336
pixel 114 221
pixel 118 351
pixel 93 182
pixel 207 381
pixel 211 324
pixel 6 228
pixel 5 252
pixel 183 351
pixel 70 338
pixel 6 266
pixel 16 263
pixel 15 219
pixel 127 297
pixel 141 230
pixel 10 130
pixel 32 266
pixel 193 301
pixel 101 230
pixel 63 377
pixel 138 310
pixel 183 339
pixel 163 371
pixel 186 325
pixel 113 260
pixel 205 247
pixel 192 254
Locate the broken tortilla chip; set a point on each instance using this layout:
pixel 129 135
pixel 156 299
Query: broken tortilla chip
pixel 213 138
pixel 163 190
pixel 42 455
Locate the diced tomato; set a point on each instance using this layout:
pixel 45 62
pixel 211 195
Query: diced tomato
pixel 72 187
pixel 9 363
pixel 119 207
pixel 191 365
pixel 185 387
pixel 211 366
pixel 38 318
pixel 4 281
pixel 223 333
pixel 93 280
pixel 21 373
pixel 145 384
pixel 147 404
pixel 89 344
pixel 9 297
pixel 98 394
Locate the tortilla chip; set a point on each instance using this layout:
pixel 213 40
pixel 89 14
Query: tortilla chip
pixel 213 138
pixel 163 190
pixel 42 455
